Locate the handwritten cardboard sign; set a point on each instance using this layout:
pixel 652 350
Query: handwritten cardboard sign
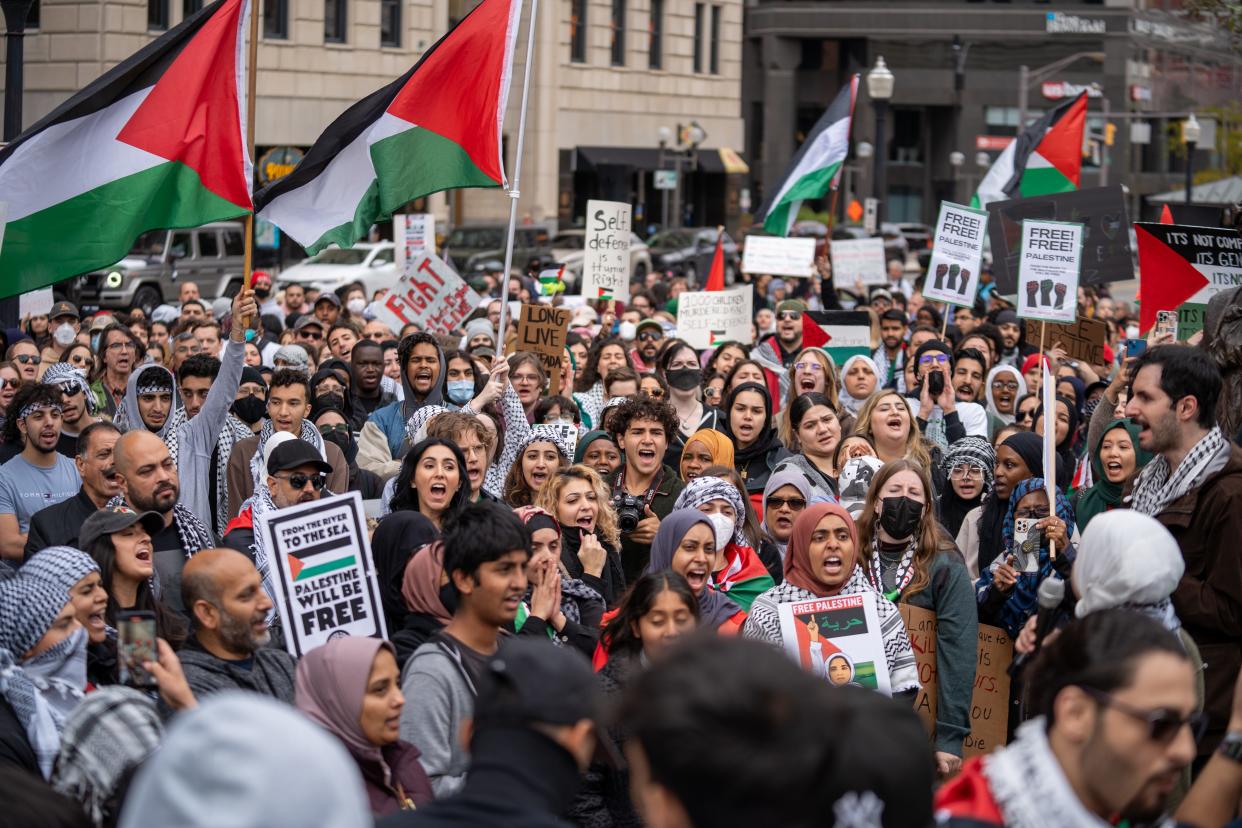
pixel 707 317
pixel 430 295
pixel 542 330
pixel 859 259
pixel 1082 339
pixel 606 259
pixel 989 706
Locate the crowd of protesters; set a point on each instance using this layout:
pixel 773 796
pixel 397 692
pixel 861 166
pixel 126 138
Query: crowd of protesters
pixel 581 576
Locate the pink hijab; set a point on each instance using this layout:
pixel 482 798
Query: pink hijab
pixel 331 684
pixel 798 569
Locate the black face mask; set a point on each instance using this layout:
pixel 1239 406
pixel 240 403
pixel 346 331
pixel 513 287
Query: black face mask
pixel 683 379
pixel 345 442
pixel 448 597
pixel 249 409
pixel 262 293
pixel 333 399
pixel 900 517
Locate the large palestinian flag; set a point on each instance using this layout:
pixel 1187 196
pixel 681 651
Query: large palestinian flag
pixel 158 141
pixel 437 127
pixel 1045 159
pixel 817 166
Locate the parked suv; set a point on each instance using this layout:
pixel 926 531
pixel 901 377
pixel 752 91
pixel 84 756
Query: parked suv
pixel 210 256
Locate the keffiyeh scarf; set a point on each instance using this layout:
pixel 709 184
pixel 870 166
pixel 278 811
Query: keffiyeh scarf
pixel 233 432
pixel 43 691
pixel 1155 488
pixel 309 433
pixel 705 489
pixel 192 532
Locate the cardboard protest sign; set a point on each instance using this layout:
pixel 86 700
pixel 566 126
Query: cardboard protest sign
pixel 779 256
pixel 842 334
pixel 837 639
pixel 858 260
pixel 1106 235
pixel 542 330
pixel 606 260
pixel 957 255
pixel 1048 269
pixel 989 704
pixel 322 571
pixel 413 234
pixel 430 295
pixel 1179 264
pixel 37 302
pixel 1082 339
pixel 705 317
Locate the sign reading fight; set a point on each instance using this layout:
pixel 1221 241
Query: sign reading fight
pixel 543 330
pixel 957 253
pixel 413 234
pixel 859 260
pixel 1048 268
pixel 837 639
pixel 705 318
pixel 322 571
pixel 606 263
pixel 778 256
pixel 429 295
pixel 1181 264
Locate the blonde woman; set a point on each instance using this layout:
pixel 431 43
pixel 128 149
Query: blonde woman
pixel 590 541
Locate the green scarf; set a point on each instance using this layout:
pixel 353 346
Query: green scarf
pixel 1103 494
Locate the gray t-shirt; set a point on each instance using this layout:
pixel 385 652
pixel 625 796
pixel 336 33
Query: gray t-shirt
pixel 26 488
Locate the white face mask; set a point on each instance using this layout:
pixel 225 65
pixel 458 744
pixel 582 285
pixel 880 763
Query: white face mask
pixel 356 305
pixel 1132 332
pixel 628 331
pixel 64 334
pixel 724 530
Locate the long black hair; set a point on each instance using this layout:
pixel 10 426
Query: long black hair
pixel 406 496
pixel 168 625
pixel 619 633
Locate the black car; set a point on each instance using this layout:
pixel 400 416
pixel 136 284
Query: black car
pixel 688 252
pixel 482 244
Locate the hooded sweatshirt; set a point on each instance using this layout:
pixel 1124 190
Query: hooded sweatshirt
pixel 382 442
pixel 436 677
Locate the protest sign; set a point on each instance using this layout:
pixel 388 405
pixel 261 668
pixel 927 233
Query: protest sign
pixel 779 256
pixel 989 704
pixel 542 330
pixel 705 317
pixel 606 259
pixel 858 260
pixel 1179 263
pixel 842 334
pixel 1106 255
pixel 1082 339
pixel 429 295
pixel 322 572
pixel 413 234
pixel 1048 268
pixel 957 255
pixel 1190 320
pixel 837 639
pixel 37 302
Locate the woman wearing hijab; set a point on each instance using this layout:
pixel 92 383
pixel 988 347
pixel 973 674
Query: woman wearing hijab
pixel 969 464
pixel 822 562
pixel 393 544
pixel 1066 424
pixel 428 600
pixel 351 687
pixel 1116 459
pixel 686 544
pixel 859 380
pixel 705 447
pixel 749 423
pixel 980 538
pixel 598 450
pixel 1007 591
pixel 1005 386
pixel 784 498
pixel 741 575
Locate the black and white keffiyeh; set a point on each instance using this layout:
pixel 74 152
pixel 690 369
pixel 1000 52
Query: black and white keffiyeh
pixel 904 573
pixel 705 489
pixel 232 433
pixel 1155 488
pixel 71 381
pixel 193 533
pixel 308 433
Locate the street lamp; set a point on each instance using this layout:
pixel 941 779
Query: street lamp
pixel 880 89
pixel 15 14
pixel 1190 137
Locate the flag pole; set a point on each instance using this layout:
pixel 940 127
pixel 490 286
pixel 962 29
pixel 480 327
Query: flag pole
pixel 514 192
pixel 252 71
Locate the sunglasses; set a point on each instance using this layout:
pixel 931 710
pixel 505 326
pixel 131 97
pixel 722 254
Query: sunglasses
pixel 305 334
pixel 1163 725
pixel 339 428
pixel 795 504
pixel 11 383
pixel 792 315
pixel 27 359
pixel 299 480
pixel 649 336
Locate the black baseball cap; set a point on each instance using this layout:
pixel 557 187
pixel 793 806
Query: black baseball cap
pixel 293 454
pixel 308 320
pixel 115 518
pixel 329 297
pixel 64 309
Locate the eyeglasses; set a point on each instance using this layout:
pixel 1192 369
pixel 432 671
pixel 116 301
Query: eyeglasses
pixel 966 470
pixel 1032 513
pixel 813 367
pixel 298 480
pixel 795 504
pixel 339 428
pixel 650 336
pixel 522 379
pixel 791 315
pixel 1005 385
pixel 711 392
pixel 1163 724
pixel 27 359
pixel 938 359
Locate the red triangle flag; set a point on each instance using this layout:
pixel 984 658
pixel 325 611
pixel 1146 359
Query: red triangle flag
pixel 715 276
pixel 1166 279
pixel 1166 215
pixel 813 336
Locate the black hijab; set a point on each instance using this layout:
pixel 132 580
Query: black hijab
pixel 1066 461
pixel 393 544
pixel 1029 446
pixel 767 438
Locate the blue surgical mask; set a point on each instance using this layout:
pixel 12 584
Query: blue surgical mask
pixel 461 391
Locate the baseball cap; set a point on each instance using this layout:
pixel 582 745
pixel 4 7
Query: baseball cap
pixel 791 305
pixel 102 321
pixel 260 278
pixel 115 518
pixel 295 453
pixel 64 309
pixel 649 323
pixel 329 297
pixel 306 321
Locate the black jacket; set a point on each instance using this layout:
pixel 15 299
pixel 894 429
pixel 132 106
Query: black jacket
pixel 604 800
pixel 58 525
pixel 15 746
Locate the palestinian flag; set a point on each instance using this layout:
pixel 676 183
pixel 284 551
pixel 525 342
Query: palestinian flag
pixel 744 577
pixel 437 127
pixel 817 166
pixel 158 141
pixel 1045 159
pixel 842 334
pixel 716 274
pixel 551 281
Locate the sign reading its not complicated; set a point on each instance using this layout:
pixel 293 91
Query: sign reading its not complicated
pixel 430 295
pixel 957 252
pixel 1048 268
pixel 779 256
pixel 1182 265
pixel 606 263
pixel 322 571
pixel 542 330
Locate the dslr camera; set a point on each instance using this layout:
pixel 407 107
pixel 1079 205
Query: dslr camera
pixel 630 511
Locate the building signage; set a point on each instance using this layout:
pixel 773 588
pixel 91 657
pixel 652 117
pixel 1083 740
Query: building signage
pixel 1061 23
pixel 1059 90
pixel 992 143
pixel 278 162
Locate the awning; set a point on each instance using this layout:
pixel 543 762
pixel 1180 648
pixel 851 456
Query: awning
pixel 1225 191
pixel 717 160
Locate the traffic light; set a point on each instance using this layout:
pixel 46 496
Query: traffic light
pixel 1110 134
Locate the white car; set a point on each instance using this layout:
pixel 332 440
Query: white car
pixel 567 250
pixel 370 263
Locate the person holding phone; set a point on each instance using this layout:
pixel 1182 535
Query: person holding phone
pixel 933 401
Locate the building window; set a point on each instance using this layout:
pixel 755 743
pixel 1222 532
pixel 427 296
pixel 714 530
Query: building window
pixel 276 19
pixel 390 22
pixel 189 7
pixel 334 21
pixel 655 27
pixel 157 14
pixel 714 67
pixel 617 25
pixel 578 31
pixel 699 12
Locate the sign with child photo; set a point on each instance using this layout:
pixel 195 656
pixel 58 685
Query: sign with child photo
pixel 837 639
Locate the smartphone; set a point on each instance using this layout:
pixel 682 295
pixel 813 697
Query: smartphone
pixel 935 384
pixel 1027 541
pixel 1166 323
pixel 1135 347
pixel 135 643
